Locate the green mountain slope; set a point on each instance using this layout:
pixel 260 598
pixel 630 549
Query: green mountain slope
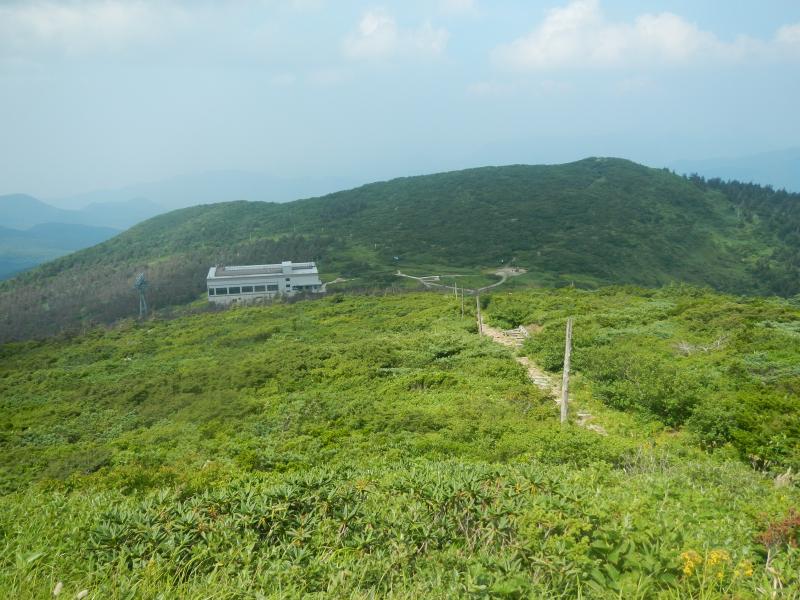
pixel 375 446
pixel 591 222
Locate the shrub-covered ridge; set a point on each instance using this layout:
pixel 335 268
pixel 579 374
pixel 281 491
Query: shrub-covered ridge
pixel 357 447
pixel 592 222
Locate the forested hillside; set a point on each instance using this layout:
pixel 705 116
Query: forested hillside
pixel 376 445
pixel 592 222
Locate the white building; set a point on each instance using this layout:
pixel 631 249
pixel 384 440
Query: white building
pixel 226 284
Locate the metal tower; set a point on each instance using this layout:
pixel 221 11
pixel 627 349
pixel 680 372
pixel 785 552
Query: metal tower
pixel 141 286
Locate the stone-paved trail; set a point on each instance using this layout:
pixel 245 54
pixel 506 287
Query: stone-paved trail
pixel 513 338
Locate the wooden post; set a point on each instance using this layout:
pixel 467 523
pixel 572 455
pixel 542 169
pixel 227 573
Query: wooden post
pixel 565 379
pixel 462 301
pixel 478 307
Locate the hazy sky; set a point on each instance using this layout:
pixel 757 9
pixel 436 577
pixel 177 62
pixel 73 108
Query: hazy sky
pixel 103 93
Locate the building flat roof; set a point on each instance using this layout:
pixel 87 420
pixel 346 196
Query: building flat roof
pixel 284 268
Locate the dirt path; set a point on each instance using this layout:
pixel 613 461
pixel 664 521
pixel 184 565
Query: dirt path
pixel 513 338
pixel 337 280
pixel 429 281
pixel 504 274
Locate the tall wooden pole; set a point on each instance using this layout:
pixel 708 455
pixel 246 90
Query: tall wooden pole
pixel 462 301
pixel 478 307
pixel 565 379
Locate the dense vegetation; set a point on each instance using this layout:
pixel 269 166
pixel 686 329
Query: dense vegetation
pixel 375 446
pixel 592 222
pixel 728 369
pixel 777 211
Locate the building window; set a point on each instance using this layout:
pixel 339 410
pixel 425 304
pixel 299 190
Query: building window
pixel 222 291
pixel 260 288
pixel 234 290
pixel 247 289
pixel 210 291
pixel 272 287
pixel 288 279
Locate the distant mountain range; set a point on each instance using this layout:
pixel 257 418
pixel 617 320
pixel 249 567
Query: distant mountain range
pixel 23 249
pixel 210 187
pixel 33 232
pixel 20 211
pixel 589 223
pixel 90 218
pixel 780 169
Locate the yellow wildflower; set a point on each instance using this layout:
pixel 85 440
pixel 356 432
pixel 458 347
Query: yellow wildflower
pixel 690 560
pixel 716 557
pixel 743 569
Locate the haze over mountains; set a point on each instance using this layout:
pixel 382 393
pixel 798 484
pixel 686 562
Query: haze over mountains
pixel 87 219
pixel 33 232
pixel 26 248
pixel 21 211
pixel 209 187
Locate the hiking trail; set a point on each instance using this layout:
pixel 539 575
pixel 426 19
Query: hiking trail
pixel 513 338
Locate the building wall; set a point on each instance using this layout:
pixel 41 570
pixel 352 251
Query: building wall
pixel 263 286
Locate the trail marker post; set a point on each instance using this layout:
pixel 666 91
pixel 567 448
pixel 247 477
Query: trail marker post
pixel 478 310
pixel 565 379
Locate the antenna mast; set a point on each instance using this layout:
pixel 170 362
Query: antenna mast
pixel 141 286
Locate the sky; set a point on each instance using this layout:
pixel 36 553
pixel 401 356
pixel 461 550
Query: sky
pixel 105 93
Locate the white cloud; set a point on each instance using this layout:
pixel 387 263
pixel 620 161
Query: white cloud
pixel 378 36
pixel 30 28
pixel 789 35
pixel 80 27
pixel 578 35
